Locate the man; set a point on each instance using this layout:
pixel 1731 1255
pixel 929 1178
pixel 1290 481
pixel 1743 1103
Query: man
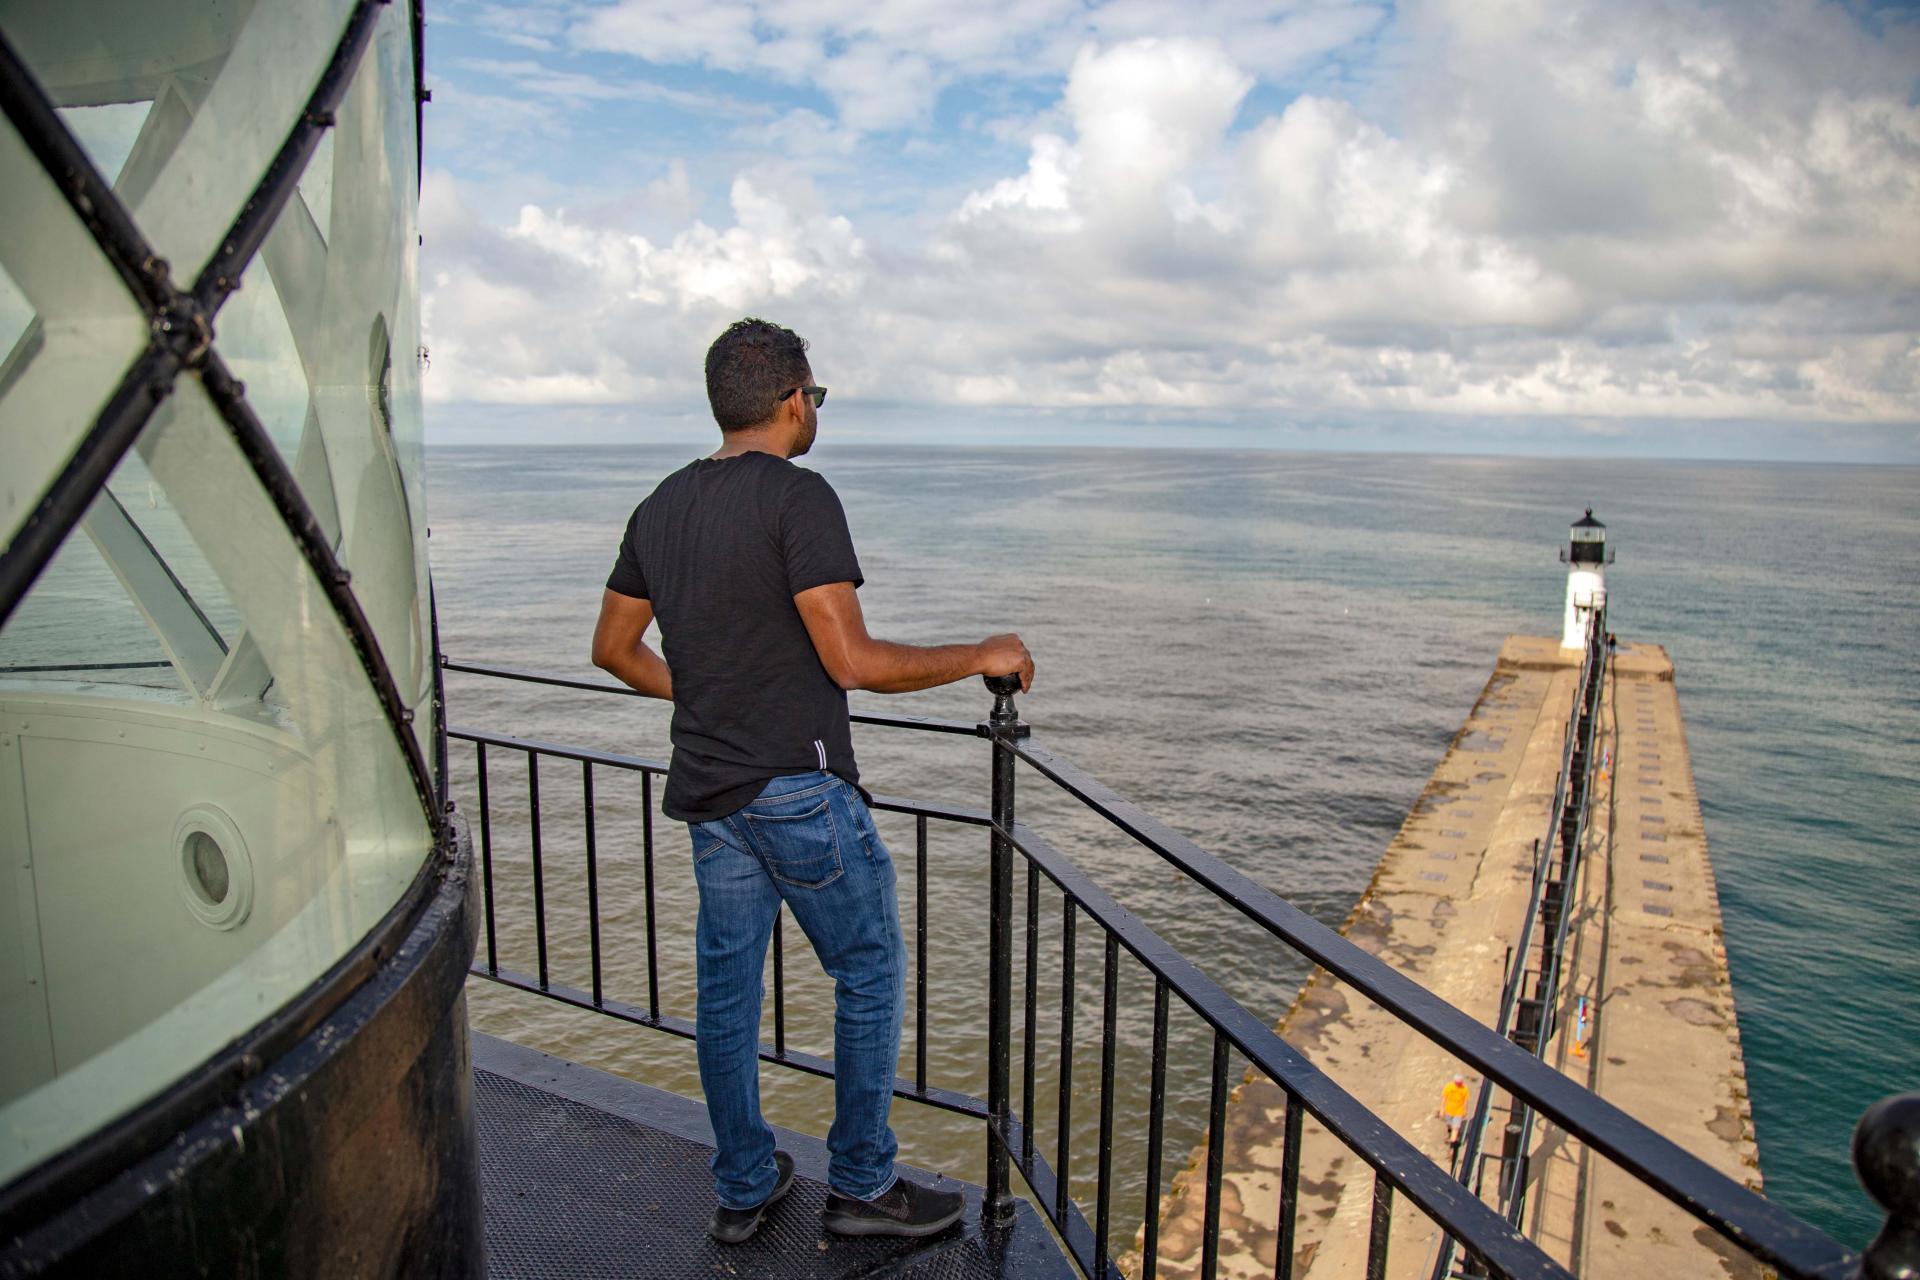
pixel 747 563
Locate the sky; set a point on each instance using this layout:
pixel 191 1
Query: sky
pixel 1581 227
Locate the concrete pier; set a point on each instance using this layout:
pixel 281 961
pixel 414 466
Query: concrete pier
pixel 1444 907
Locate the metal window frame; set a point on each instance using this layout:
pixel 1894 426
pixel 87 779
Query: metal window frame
pixel 181 326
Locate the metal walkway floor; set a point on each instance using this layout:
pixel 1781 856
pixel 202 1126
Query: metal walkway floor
pixel 586 1174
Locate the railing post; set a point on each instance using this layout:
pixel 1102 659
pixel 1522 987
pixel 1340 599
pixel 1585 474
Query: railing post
pixel 1886 1156
pixel 1002 728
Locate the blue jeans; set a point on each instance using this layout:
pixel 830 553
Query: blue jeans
pixel 809 841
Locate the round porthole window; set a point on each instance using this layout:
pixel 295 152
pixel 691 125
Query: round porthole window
pixel 216 872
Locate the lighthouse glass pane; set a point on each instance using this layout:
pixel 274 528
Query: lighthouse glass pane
pixel 329 352
pixel 16 313
pixel 290 780
pixel 256 340
pixel 129 600
pixel 77 627
pixel 226 82
pixel 70 327
pixel 107 133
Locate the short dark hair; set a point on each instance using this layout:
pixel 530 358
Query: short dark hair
pixel 748 367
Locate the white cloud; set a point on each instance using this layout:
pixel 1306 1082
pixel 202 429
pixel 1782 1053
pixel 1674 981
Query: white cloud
pixel 556 310
pixel 537 82
pixel 528 24
pixel 719 33
pixel 884 63
pixel 1603 211
pixel 671 197
pixel 1145 112
pixel 1041 198
pixel 801 134
pixel 877 86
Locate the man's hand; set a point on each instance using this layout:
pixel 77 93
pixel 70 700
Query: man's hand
pixel 618 647
pixel 1006 656
pixel 855 660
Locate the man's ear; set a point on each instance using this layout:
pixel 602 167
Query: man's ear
pixel 783 415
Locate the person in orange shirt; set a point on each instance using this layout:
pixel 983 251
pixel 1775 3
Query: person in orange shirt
pixel 1453 1109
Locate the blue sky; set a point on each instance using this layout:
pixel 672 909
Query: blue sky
pixel 1639 227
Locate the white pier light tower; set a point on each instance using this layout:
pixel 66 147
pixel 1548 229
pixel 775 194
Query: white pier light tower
pixel 1586 559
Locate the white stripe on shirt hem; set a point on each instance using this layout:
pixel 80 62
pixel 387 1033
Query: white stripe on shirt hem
pixel 820 750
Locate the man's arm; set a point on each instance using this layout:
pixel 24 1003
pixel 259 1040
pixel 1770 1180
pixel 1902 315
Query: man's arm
pixel 856 660
pixel 619 649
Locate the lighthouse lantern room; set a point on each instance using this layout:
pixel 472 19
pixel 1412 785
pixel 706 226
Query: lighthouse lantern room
pixel 1586 559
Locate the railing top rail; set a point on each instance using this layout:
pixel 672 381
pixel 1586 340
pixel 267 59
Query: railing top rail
pixel 1764 1229
pixel 930 724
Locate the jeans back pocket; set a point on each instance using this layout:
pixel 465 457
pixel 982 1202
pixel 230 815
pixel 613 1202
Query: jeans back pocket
pixel 801 849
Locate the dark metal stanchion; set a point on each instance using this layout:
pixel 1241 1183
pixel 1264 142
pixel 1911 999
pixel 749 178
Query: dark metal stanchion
pixel 779 987
pixel 653 944
pixel 1380 1228
pixel 1156 1129
pixel 1063 1139
pixel 593 879
pixel 1289 1224
pixel 920 951
pixel 1029 1053
pixel 1216 1160
pixel 1002 728
pixel 486 862
pixel 539 876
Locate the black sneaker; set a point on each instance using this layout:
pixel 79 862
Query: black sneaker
pixel 731 1226
pixel 903 1209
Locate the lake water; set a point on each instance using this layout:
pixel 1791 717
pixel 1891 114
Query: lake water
pixel 1270 652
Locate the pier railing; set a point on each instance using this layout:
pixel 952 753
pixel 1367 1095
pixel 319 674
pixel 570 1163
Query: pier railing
pixel 1529 1006
pixel 1887 1147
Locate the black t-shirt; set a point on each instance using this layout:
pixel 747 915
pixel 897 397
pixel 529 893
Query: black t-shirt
pixel 721 548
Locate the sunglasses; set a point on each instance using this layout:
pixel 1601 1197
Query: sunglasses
pixel 816 394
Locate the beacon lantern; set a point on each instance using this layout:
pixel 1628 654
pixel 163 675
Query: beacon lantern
pixel 1586 559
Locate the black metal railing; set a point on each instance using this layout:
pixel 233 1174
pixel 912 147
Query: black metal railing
pixel 1484 1234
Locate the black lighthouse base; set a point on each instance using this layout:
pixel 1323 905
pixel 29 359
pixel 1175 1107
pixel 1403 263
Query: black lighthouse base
pixel 335 1139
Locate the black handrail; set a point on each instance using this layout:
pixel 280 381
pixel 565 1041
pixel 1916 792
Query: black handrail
pixel 1768 1232
pixel 962 728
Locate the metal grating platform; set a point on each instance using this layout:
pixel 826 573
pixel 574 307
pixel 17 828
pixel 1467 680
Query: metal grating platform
pixel 586 1174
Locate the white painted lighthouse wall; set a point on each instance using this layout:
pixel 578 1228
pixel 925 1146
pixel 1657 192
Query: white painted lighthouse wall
pixel 1586 591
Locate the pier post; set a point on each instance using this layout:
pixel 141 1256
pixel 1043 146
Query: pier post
pixel 1003 727
pixel 1886 1156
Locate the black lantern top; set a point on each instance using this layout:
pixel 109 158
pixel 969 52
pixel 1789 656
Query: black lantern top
pixel 1589 541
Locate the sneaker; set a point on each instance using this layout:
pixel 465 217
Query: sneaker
pixel 731 1226
pixel 903 1209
